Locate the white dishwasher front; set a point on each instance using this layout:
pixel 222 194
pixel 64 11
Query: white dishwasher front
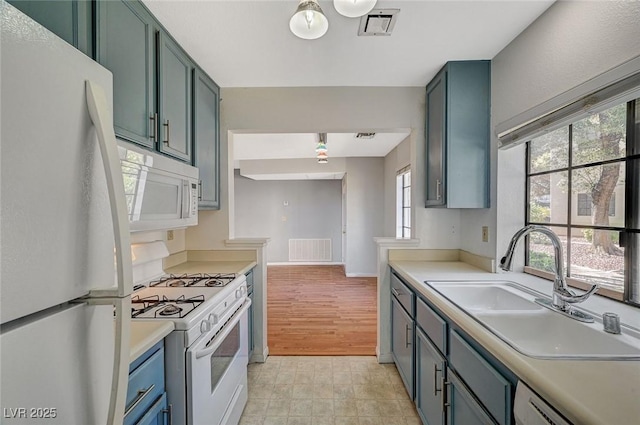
pixel 530 409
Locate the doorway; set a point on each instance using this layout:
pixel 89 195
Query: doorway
pixel 317 310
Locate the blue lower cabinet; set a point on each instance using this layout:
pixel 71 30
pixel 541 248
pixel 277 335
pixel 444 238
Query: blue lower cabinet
pixel 430 381
pixel 490 387
pixel 451 378
pixel 249 277
pixel 158 414
pixel 463 408
pixel 402 328
pixel 146 389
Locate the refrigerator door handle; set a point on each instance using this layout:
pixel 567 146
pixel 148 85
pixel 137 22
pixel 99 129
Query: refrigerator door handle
pixel 99 111
pixel 120 376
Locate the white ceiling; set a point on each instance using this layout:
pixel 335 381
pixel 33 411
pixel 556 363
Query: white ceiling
pixel 303 145
pixel 247 43
pixel 244 43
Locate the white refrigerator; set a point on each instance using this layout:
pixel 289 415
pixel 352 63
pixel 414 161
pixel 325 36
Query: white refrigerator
pixel 65 269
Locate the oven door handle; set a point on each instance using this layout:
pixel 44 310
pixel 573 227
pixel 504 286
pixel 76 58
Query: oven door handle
pixel 224 331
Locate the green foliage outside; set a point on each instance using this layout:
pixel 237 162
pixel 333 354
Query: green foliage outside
pixel 588 235
pixel 539 213
pixel 542 261
pixel 598 137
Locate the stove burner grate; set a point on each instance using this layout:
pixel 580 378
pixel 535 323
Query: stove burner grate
pixel 198 279
pixel 170 310
pixel 145 304
pixel 164 307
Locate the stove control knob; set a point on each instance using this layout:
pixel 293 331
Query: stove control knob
pixel 205 326
pixel 213 319
pixel 238 293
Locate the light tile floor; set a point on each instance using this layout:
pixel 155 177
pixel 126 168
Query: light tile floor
pixel 292 390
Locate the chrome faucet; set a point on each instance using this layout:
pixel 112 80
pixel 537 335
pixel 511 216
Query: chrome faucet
pixel 562 296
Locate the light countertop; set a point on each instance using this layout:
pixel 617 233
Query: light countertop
pixel 145 335
pixel 585 391
pixel 238 267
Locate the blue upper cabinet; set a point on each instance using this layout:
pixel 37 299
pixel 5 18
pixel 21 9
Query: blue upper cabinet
pixel 174 98
pixel 70 20
pixel 458 102
pixel 151 78
pixel 126 47
pixel 206 139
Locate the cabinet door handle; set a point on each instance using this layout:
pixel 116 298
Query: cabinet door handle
pixel 436 390
pixel 395 291
pixel 169 413
pixel 166 125
pixel 438 185
pixel 139 397
pixel 199 190
pixel 406 336
pixel 154 119
pixel 445 405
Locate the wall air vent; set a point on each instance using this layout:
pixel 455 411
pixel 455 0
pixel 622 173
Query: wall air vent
pixel 365 135
pixel 378 22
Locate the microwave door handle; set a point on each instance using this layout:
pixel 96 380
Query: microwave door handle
pixel 100 113
pixel 186 199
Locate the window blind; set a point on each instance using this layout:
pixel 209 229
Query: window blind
pixel 616 86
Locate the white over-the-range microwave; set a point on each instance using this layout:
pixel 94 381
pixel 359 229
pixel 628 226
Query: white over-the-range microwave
pixel 161 193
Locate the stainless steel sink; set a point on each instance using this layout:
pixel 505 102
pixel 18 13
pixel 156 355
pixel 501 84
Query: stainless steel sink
pixel 510 312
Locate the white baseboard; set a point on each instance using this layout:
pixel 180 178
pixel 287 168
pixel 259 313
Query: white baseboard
pixel 305 263
pixel 361 275
pixel 257 357
pixel 384 358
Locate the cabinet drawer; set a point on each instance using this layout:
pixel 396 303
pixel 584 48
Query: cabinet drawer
pixel 157 413
pixel 489 386
pixel 463 408
pixel 146 384
pixel 403 294
pixel 432 325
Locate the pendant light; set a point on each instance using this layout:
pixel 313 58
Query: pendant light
pixel 321 149
pixel 309 22
pixel 354 8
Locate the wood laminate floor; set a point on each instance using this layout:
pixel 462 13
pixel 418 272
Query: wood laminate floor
pixel 317 310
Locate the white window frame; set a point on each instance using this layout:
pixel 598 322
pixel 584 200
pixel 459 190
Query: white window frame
pixel 403 203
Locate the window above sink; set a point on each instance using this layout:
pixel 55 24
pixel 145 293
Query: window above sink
pixel 582 182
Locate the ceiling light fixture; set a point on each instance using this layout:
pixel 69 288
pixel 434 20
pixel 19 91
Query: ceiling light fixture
pixel 321 149
pixel 354 8
pixel 309 22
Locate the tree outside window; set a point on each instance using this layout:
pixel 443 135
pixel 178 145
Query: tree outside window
pixel 576 185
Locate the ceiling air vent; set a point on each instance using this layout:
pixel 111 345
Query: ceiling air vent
pixel 365 135
pixel 378 22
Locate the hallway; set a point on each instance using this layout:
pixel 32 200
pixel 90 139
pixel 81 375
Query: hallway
pixel 317 310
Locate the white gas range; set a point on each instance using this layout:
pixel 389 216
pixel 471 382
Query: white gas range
pixel 206 355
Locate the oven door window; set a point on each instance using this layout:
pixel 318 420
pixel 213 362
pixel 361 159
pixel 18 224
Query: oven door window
pixel 223 356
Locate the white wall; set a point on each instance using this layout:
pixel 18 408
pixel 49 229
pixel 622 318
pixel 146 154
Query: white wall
pixel 365 214
pixel 295 110
pixel 396 160
pixel 569 44
pixel 313 211
pixel 325 109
